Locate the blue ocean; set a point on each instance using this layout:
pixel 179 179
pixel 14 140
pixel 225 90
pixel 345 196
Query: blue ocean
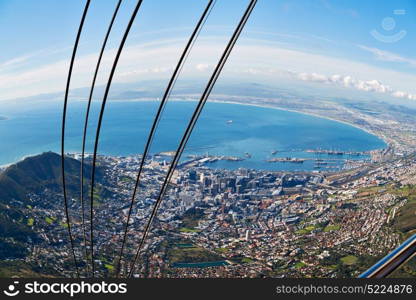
pixel 255 133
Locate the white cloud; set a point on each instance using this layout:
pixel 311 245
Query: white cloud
pixel 252 59
pixel 400 94
pixel 156 70
pixel 312 77
pixel 388 56
pixel 12 64
pixel 203 67
pixel 15 61
pixel 136 62
pixel 350 82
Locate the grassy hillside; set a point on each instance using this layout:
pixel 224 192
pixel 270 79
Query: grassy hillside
pixel 405 222
pixel 38 172
pixel 30 175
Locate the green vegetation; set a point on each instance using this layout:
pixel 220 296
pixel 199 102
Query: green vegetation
pixel 334 227
pixel 49 220
pixel 302 232
pixel 100 193
pixel 13 225
pixel 109 267
pixel 33 175
pixel 192 255
pixel 63 224
pixel 9 269
pixel 12 249
pixel 331 267
pixel 405 220
pixel 349 260
pixel 38 172
pixel 307 229
pixel 405 223
pixel 190 220
pixel 246 260
pixel 185 245
pixel 126 179
pixel 222 250
pixel 300 265
pixel 96 197
pixel 188 230
pixel 191 217
pixel 345 265
pixel 183 251
pixel 408 270
pixel 369 190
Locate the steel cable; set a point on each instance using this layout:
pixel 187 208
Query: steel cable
pixel 86 126
pixel 156 120
pixel 100 119
pixel 68 83
pixel 191 125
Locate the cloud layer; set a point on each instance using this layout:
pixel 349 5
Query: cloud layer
pixel 350 82
pixel 389 56
pixel 253 60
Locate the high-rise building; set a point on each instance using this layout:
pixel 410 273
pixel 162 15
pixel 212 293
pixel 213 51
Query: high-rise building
pixel 192 175
pixel 248 235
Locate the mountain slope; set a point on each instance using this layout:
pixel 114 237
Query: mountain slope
pixel 31 175
pixel 36 173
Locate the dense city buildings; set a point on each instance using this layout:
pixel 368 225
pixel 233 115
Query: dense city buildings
pixel 230 223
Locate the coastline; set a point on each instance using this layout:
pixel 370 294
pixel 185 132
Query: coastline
pixel 308 114
pixel 4 166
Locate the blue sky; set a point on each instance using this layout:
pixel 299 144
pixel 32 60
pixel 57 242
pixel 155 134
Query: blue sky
pixel 367 46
